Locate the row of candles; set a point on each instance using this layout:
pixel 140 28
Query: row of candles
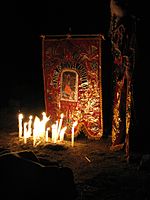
pixel 37 129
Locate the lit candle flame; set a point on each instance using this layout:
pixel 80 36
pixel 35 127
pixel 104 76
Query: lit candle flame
pixel 38 130
pixel 54 132
pixel 62 133
pixel 30 126
pixel 20 117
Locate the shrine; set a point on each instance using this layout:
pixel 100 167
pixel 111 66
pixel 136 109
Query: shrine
pixel 72 81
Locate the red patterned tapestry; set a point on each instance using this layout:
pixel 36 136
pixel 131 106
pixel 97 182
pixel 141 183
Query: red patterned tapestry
pixel 72 82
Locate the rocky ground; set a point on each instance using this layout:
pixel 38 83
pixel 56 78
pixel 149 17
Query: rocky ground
pixel 99 173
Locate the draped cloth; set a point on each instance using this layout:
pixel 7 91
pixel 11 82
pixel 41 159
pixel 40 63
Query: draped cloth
pixel 123 42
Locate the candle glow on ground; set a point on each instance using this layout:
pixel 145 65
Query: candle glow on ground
pixel 38 131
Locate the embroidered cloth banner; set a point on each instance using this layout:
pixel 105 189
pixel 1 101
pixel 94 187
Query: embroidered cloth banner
pixel 72 82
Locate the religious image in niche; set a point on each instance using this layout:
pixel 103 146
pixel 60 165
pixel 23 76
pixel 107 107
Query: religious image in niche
pixel 69 85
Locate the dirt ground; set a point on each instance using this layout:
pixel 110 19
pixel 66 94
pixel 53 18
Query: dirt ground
pixel 99 173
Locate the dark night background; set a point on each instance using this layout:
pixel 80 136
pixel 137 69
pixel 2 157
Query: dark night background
pixel 22 23
pixel 108 176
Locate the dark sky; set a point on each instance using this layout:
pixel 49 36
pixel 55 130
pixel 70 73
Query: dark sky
pixel 22 23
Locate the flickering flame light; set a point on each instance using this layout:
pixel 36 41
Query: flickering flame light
pixel 30 125
pixel 62 133
pixel 37 129
pixel 57 130
pixel 20 117
pixel 54 132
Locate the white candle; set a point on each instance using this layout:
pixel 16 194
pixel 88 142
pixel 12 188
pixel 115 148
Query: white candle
pixel 36 129
pixel 62 132
pixel 25 132
pixel 46 134
pixel 60 123
pixel 72 136
pixel 54 132
pixel 43 123
pixel 20 117
pixel 30 126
